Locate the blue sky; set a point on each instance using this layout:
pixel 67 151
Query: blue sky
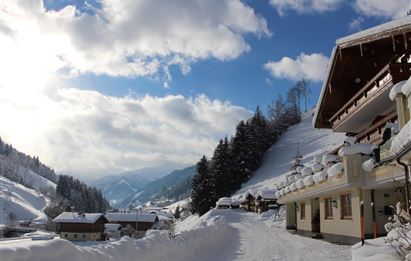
pixel 99 87
pixel 242 81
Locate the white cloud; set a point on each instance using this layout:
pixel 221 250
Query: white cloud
pixel 382 8
pixel 356 24
pixel 305 6
pixel 88 133
pixel 135 37
pixel 309 66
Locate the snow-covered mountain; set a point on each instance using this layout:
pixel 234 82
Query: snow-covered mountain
pixel 18 202
pixel 116 188
pixel 150 191
pixel 279 158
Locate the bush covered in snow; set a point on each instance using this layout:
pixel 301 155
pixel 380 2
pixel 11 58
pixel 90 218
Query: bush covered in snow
pixel 399 233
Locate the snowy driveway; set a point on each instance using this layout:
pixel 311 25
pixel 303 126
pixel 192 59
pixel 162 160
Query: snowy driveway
pixel 263 240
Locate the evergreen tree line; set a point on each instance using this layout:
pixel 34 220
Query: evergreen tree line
pixel 177 192
pixel 234 160
pixel 16 158
pixel 74 195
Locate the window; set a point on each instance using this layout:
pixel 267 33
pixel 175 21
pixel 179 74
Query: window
pixel 328 207
pixel 346 206
pixel 75 235
pixel 84 236
pixel 65 235
pixel 302 210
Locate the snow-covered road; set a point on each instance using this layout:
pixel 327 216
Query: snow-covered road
pixel 263 240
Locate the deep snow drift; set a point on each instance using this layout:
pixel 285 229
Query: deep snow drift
pixel 218 235
pixel 21 202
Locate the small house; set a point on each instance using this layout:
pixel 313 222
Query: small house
pixel 265 200
pixel 134 224
pixel 81 226
pixel 113 230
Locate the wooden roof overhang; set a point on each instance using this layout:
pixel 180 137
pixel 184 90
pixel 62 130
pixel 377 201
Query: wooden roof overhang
pixel 355 61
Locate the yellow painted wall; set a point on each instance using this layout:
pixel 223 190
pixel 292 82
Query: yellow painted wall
pixel 304 224
pixel 337 225
pixel 80 236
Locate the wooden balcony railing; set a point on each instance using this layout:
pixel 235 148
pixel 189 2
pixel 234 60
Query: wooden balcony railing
pixel 383 80
pixel 373 134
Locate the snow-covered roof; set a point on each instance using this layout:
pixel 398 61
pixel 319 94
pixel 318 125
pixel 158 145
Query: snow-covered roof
pixel 112 227
pixel 74 217
pixel 266 194
pixel 164 218
pixel 378 32
pixel 402 139
pixel 224 202
pixel 131 217
pixel 356 149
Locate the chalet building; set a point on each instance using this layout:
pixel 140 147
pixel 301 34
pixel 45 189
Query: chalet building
pixel 81 226
pixel 265 200
pixel 365 94
pixel 133 224
pixel 248 202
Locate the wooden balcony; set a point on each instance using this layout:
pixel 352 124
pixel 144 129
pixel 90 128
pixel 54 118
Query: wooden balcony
pixel 373 134
pixel 371 92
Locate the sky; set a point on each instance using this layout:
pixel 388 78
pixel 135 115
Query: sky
pixel 99 87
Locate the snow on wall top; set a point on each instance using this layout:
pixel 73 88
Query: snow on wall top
pixel 402 139
pixel 396 24
pixel 396 89
pixel 406 88
pixel 131 217
pixel 74 217
pixel 267 193
pixel 279 158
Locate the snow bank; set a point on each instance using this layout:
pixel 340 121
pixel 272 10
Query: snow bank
pixel 318 159
pixel 307 171
pixel 317 167
pixel 308 181
pixel 368 165
pixel 355 149
pixel 373 250
pixel 402 139
pixel 329 159
pixel 186 246
pixel 300 184
pixel 396 89
pixel 336 170
pixel 320 176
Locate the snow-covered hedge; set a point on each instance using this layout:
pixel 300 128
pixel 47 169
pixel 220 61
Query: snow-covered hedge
pixel 306 171
pixel 308 181
pixel 320 176
pixel 329 159
pixel 300 184
pixel 335 170
pixel 317 167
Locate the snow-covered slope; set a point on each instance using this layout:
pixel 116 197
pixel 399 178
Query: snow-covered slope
pixel 279 159
pixel 20 203
pixel 25 176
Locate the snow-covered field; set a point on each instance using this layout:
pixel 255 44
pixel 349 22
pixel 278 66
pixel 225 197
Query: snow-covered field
pixel 278 160
pixel 218 235
pixel 22 202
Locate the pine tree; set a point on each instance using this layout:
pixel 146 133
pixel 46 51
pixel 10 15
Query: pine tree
pixel 200 192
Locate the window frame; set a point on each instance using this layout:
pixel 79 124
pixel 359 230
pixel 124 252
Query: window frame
pixel 302 210
pixel 346 210
pixel 328 208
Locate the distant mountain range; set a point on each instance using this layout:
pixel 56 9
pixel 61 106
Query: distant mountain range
pixel 141 186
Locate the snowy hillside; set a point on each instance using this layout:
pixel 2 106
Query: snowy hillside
pixel 20 203
pixel 28 177
pixel 278 160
